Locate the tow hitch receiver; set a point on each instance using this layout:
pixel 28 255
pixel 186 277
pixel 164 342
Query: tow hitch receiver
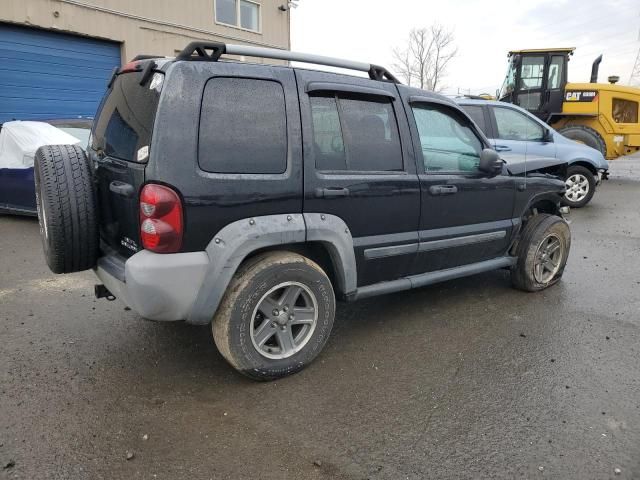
pixel 103 292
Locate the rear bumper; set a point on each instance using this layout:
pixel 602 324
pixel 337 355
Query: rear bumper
pixel 157 287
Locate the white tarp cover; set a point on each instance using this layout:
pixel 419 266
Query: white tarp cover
pixel 19 141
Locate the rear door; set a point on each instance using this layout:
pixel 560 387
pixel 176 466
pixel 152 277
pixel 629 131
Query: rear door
pixel 359 167
pixel 466 215
pixel 119 148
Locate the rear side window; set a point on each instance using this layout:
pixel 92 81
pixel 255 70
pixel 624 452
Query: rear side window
pixel 355 134
pixel 476 113
pixel 124 123
pixel 243 127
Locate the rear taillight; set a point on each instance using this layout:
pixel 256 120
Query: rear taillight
pixel 161 224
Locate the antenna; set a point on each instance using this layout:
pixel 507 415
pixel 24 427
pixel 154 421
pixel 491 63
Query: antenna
pixel 634 79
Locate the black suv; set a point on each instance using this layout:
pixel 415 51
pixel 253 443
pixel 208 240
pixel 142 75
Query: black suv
pixel 249 196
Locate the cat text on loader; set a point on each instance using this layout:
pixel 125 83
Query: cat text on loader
pixel 601 115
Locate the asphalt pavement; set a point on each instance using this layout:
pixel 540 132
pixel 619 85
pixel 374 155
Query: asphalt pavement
pixel 462 380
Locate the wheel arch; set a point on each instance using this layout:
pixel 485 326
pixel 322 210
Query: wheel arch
pixel 323 238
pixel 586 164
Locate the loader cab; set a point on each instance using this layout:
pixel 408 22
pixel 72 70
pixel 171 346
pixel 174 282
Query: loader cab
pixel 536 79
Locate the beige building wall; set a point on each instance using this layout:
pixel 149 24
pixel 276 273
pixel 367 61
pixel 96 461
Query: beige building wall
pixel 157 27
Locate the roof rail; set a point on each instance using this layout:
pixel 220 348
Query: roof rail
pixel 211 51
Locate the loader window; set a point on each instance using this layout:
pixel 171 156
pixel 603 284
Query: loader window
pixel 554 79
pixel 624 111
pixel 531 73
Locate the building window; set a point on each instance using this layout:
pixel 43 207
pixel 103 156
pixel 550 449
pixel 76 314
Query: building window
pixel 243 14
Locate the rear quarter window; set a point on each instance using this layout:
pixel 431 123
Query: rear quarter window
pixel 125 120
pixel 243 127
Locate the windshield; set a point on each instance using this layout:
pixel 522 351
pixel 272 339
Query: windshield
pixel 510 80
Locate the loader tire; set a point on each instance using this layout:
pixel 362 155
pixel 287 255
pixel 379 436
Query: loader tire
pixel 586 135
pixel 66 202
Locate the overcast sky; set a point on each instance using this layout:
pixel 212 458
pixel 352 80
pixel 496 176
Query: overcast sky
pixel 485 31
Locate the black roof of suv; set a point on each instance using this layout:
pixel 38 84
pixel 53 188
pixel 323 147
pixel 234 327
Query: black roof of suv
pixel 252 195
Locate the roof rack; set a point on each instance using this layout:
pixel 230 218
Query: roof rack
pixel 211 51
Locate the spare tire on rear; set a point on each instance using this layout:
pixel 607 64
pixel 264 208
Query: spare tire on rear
pixel 66 202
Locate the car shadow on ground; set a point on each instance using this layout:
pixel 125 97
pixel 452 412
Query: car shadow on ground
pixel 177 351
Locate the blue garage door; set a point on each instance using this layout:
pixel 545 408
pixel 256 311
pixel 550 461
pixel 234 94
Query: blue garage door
pixel 46 75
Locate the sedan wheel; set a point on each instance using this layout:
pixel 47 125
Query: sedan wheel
pixel 577 188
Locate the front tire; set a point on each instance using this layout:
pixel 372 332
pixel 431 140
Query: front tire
pixel 276 315
pixel 542 253
pixel 580 184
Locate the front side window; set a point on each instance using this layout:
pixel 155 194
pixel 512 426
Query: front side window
pixel 243 127
pixel 624 111
pixel 351 133
pixel 239 13
pixel 513 125
pixel 447 140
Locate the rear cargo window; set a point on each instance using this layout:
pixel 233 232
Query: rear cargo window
pixel 243 127
pixel 125 121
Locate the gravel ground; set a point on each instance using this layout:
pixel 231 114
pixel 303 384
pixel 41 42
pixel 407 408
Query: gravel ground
pixel 467 379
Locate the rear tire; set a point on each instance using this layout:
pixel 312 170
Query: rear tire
pixel 542 253
pixel 581 186
pixel 586 135
pixel 65 198
pixel 276 315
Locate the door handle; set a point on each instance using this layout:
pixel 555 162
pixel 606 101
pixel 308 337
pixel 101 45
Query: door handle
pixel 121 188
pixel 332 192
pixel 443 190
pixel 502 148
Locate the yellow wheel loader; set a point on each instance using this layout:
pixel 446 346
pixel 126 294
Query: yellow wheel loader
pixel 601 115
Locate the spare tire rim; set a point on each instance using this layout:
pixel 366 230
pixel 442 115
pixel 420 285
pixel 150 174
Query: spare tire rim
pixel 284 320
pixel 577 187
pixel 42 216
pixel 548 258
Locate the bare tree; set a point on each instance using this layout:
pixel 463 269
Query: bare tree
pixel 424 60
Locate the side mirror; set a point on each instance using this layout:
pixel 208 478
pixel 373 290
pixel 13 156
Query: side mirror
pixel 547 136
pixel 490 162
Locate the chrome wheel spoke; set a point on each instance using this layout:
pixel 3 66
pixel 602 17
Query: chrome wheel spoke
pixel 290 295
pixel 303 315
pixel 264 332
pixel 267 306
pixel 285 340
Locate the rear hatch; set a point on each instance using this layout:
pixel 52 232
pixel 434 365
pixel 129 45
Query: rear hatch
pixel 119 148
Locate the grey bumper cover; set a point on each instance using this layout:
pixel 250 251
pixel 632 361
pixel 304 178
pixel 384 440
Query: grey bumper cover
pixel 190 286
pixel 158 287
